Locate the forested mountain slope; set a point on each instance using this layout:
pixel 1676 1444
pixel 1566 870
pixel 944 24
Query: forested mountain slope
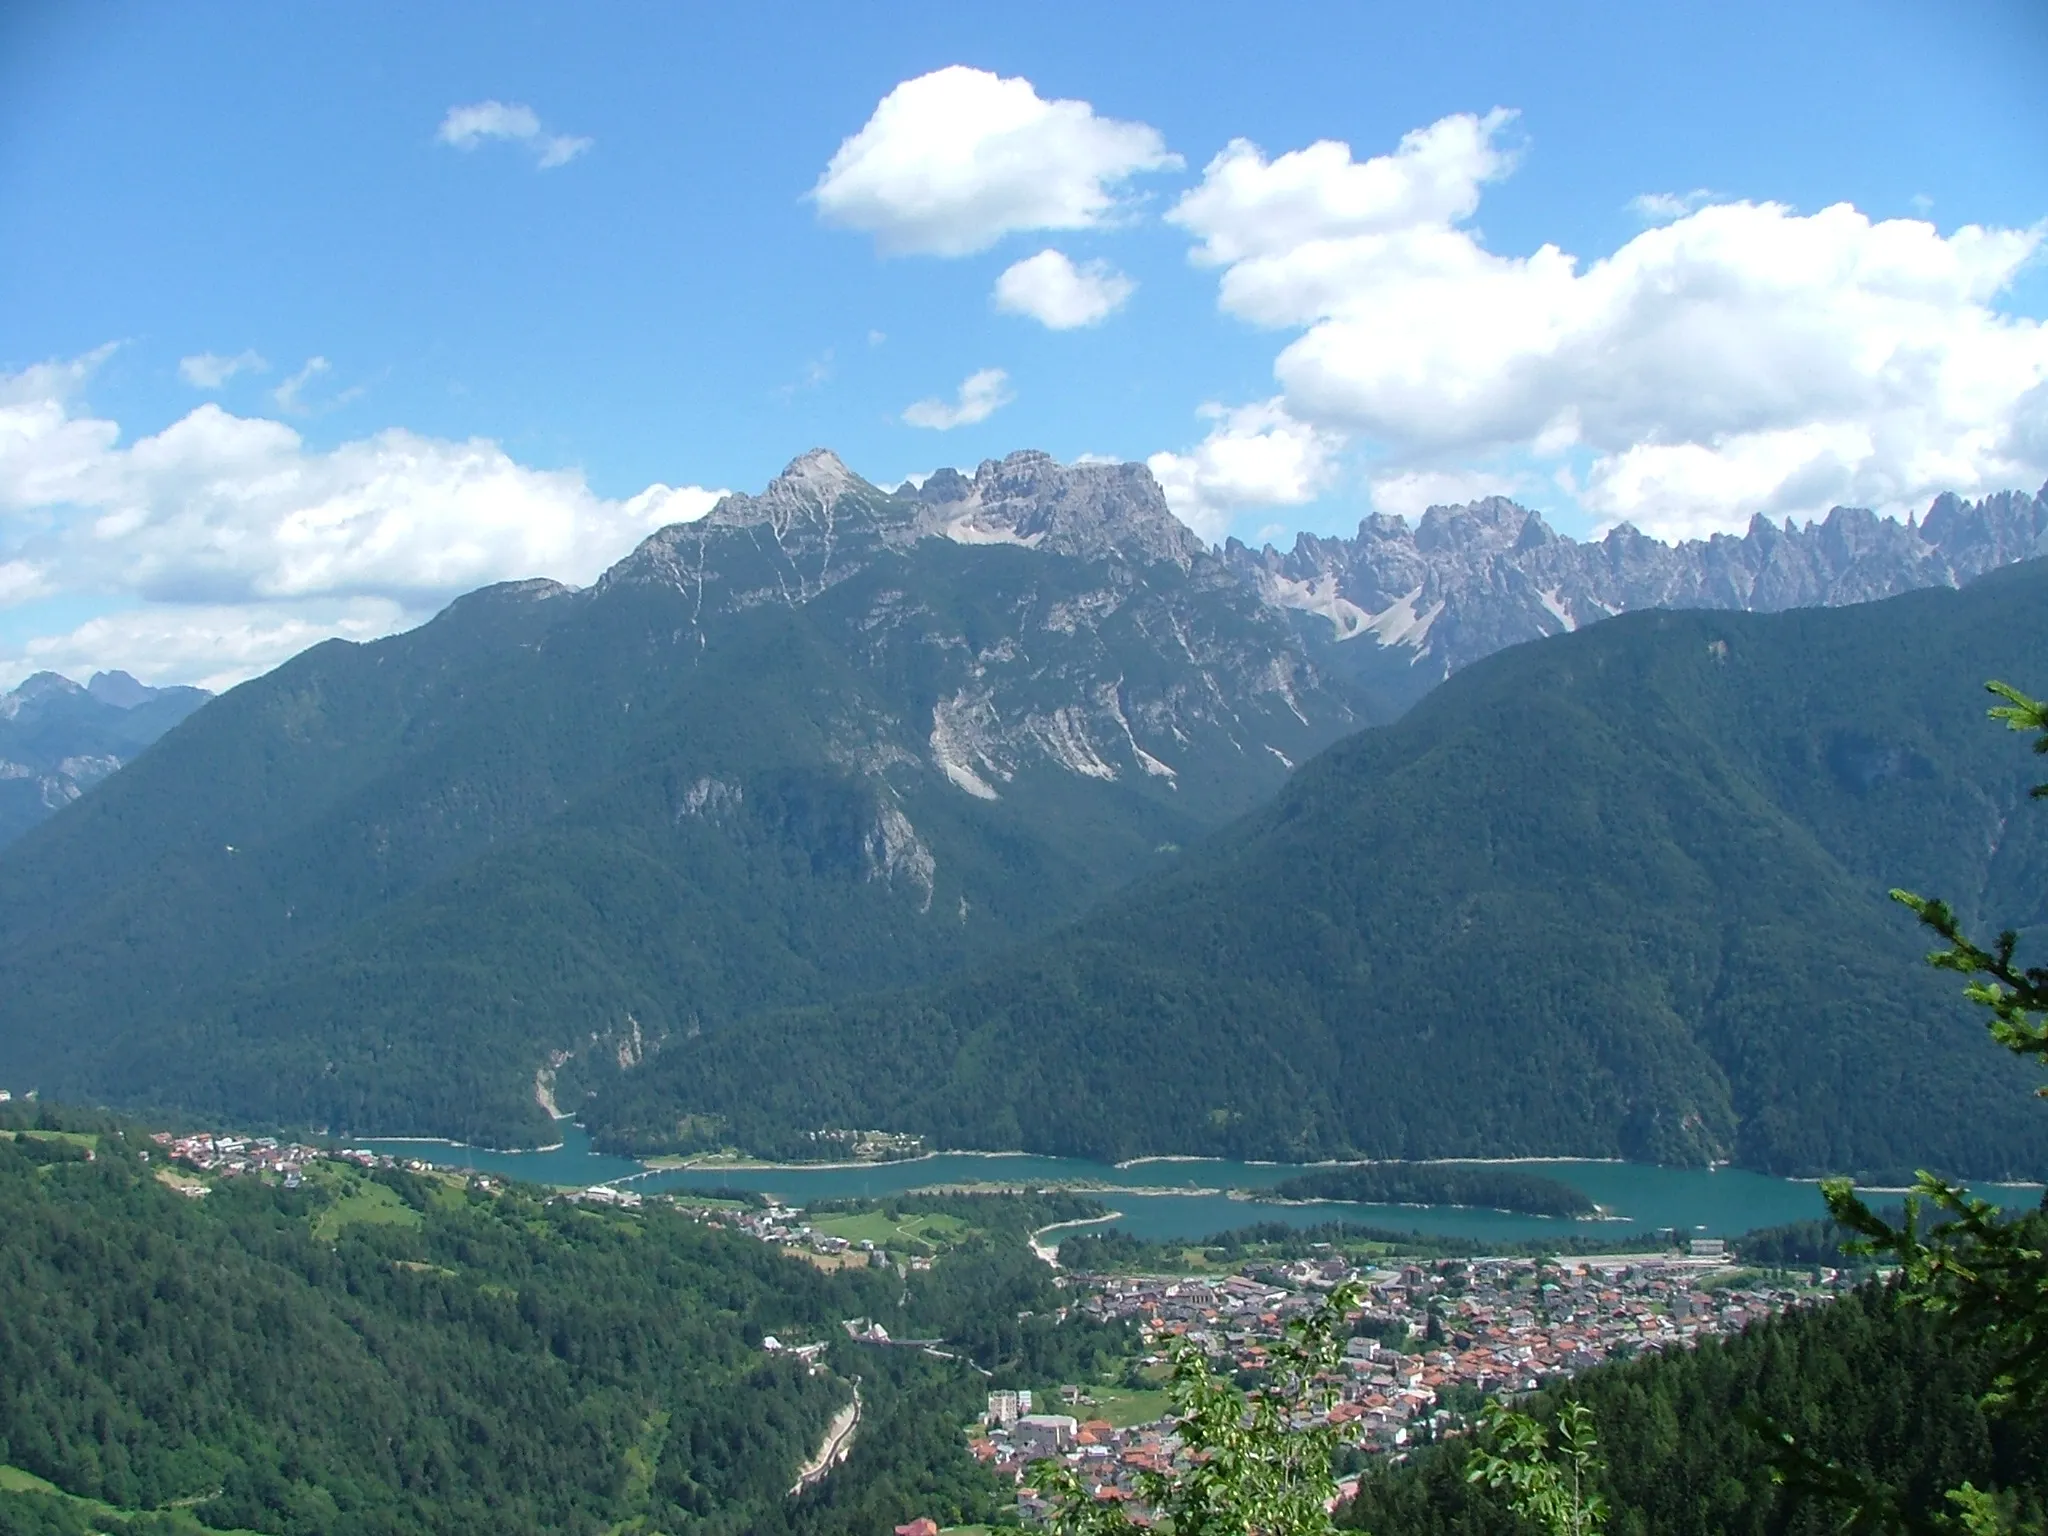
pixel 375 1353
pixel 453 1363
pixel 1616 893
pixel 824 738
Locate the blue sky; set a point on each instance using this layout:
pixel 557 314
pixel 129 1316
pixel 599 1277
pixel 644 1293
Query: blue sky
pixel 471 344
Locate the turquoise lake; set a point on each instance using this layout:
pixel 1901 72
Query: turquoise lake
pixel 1184 1199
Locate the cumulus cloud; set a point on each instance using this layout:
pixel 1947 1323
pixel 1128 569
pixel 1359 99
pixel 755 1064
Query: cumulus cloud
pixel 1050 289
pixel 210 370
pixel 231 531
pixel 1737 358
pixel 1663 207
pixel 512 122
pixel 952 161
pixel 981 396
pixel 289 395
pixel 1411 492
pixel 1254 456
pixel 207 645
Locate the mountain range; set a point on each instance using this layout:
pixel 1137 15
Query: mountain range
pixel 642 848
pixel 57 739
pixel 823 739
pixel 1620 893
pixel 1405 607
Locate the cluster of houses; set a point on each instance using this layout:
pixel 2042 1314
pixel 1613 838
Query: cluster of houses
pixel 866 1146
pixel 1426 1331
pixel 785 1226
pixel 227 1156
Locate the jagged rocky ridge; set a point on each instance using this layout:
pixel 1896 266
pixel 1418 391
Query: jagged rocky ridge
pixel 1232 669
pixel 57 739
pixel 1467 581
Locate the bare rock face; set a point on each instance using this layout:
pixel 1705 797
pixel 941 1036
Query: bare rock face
pixel 1106 641
pixel 1165 642
pixel 1467 581
pixel 1088 511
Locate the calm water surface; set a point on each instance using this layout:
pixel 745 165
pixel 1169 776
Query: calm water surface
pixel 1184 1199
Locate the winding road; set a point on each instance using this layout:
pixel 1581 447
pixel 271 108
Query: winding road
pixel 837 1444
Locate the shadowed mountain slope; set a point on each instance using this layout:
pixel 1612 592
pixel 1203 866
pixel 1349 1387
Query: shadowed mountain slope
pixel 825 738
pixel 1618 893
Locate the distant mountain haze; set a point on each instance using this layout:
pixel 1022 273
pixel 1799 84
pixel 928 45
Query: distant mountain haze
pixel 824 742
pixel 57 739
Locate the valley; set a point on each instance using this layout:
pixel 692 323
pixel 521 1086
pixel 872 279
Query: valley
pixel 1023 770
pixel 811 811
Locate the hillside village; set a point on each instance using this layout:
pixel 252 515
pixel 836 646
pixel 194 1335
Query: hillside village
pixel 1433 1341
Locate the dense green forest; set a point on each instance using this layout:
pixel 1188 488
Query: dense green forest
pixel 1500 1189
pixel 1885 1390
pixel 1798 1245
pixel 1619 893
pixel 386 1353
pixel 380 887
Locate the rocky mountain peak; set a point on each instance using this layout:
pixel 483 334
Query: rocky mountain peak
pixel 1491 525
pixel 809 488
pixel 1088 511
pixel 119 689
pixel 820 473
pixel 1468 580
pixel 57 739
pixel 35 689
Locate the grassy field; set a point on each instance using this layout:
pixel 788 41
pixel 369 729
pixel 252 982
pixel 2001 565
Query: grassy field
pixel 87 1139
pixel 1124 1406
pixel 181 1181
pixel 852 1259
pixel 365 1202
pixel 15 1482
pixel 1121 1406
pixel 912 1234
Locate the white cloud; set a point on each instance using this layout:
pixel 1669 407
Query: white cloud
pixel 1050 289
pixel 1663 207
pixel 1255 456
pixel 1248 207
pixel 952 161
pixel 469 126
pixel 20 581
pixel 1739 358
pixel 1412 492
pixel 210 370
pixel 207 645
pixel 232 532
pixel 288 395
pixel 981 396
